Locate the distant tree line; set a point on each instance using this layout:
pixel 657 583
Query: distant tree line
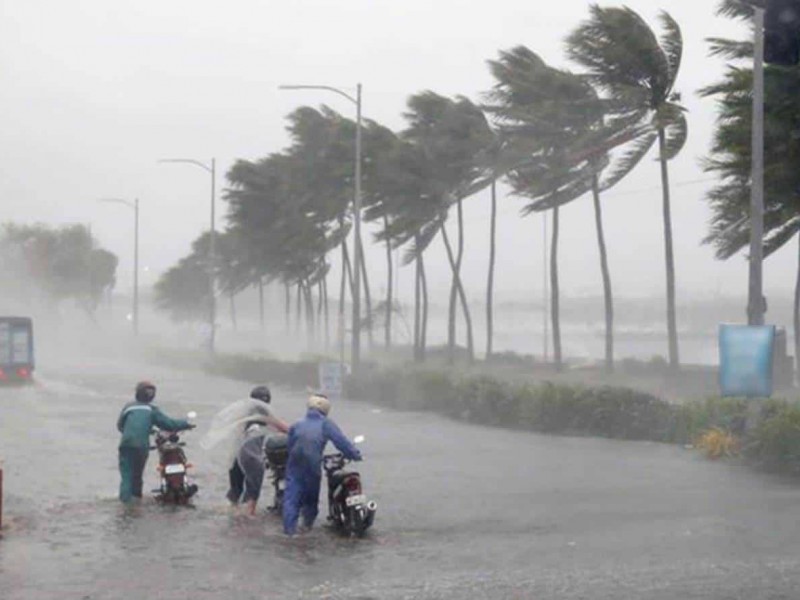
pixel 553 135
pixel 53 264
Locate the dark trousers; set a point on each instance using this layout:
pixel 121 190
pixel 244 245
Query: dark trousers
pixel 236 481
pixel 131 469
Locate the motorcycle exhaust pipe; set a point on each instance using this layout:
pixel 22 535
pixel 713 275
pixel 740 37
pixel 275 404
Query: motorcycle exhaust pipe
pixel 372 506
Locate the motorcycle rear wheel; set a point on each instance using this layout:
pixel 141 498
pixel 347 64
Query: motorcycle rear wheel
pixel 358 523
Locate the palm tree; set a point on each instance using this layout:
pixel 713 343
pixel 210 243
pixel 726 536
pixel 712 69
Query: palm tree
pixel 548 118
pixel 183 290
pixel 379 144
pixel 637 70
pixel 452 135
pixel 731 154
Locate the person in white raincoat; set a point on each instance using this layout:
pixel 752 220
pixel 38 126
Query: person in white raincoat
pixel 230 426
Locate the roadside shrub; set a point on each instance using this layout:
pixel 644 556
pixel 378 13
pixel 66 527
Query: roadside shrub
pixel 693 418
pixel 487 400
pixel 775 443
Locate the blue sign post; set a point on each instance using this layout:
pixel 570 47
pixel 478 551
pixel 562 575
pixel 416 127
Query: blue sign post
pixel 331 376
pixel 746 360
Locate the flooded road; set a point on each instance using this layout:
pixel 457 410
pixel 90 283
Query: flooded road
pixel 464 511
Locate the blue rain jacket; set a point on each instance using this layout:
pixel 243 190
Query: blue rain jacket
pixel 306 443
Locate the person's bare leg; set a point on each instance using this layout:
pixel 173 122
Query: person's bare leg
pixel 250 508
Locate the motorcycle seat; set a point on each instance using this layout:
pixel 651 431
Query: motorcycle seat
pixel 338 476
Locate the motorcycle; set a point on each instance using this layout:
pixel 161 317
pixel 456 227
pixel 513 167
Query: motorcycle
pixel 348 508
pixel 276 454
pixel 175 485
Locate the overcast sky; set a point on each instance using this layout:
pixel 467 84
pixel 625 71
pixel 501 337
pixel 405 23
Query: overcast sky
pixel 93 92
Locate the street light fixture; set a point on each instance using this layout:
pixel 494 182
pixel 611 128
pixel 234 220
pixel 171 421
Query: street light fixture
pixel 135 207
pixel 358 257
pixel 212 262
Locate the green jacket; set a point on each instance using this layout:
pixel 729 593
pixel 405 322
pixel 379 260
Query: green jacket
pixel 137 419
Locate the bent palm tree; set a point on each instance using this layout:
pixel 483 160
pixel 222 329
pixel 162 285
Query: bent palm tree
pixel 637 71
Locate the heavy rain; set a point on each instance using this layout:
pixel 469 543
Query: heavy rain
pixel 399 300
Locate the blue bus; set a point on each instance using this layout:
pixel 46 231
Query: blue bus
pixel 16 350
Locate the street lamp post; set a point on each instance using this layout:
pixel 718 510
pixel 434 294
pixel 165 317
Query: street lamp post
pixel 355 351
pixel 135 207
pixel 212 255
pixel 755 297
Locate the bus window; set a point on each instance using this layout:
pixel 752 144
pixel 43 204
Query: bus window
pixel 20 346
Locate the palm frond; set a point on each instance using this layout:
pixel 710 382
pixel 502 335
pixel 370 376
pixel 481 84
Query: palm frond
pixel 677 132
pixel 631 157
pixel 671 43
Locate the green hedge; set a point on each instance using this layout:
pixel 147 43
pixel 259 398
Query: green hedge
pixel 611 412
pixel 548 408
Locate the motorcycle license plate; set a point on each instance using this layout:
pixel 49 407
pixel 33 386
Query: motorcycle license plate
pixel 173 469
pixel 356 500
pixel 282 484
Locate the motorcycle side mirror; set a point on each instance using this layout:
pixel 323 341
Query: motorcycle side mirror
pixel 191 415
pixel 359 439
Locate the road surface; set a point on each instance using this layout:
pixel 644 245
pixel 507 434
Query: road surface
pixel 464 511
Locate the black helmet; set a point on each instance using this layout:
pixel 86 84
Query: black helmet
pixel 145 391
pixel 261 393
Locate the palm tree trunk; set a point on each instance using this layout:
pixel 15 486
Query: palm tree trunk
pixel 288 299
pixel 607 295
pixel 261 302
pixel 327 320
pixel 555 314
pixel 423 340
pixel 367 297
pixel 797 317
pixel 232 300
pixel 417 307
pixel 490 283
pixel 451 313
pixel 348 268
pixel 310 322
pixel 340 327
pixel 319 305
pixel 297 309
pixel 462 295
pixel 387 334
pixel 672 327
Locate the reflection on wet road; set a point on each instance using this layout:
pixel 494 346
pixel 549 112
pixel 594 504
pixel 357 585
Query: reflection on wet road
pixel 464 512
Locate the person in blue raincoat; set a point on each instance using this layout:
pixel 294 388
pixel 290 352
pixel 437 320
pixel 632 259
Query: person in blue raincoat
pixel 134 423
pixel 306 443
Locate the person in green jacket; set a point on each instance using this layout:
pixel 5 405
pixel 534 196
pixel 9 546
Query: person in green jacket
pixel 134 423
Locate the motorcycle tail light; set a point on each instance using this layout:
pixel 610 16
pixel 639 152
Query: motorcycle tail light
pixel 23 373
pixel 353 485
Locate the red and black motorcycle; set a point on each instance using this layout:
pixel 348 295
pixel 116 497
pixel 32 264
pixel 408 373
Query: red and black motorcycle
pixel 349 510
pixel 176 486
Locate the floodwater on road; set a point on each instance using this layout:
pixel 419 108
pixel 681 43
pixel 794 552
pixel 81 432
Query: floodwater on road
pixel 464 511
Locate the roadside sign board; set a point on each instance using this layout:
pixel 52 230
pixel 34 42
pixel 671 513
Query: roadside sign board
pixel 331 376
pixel 746 360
